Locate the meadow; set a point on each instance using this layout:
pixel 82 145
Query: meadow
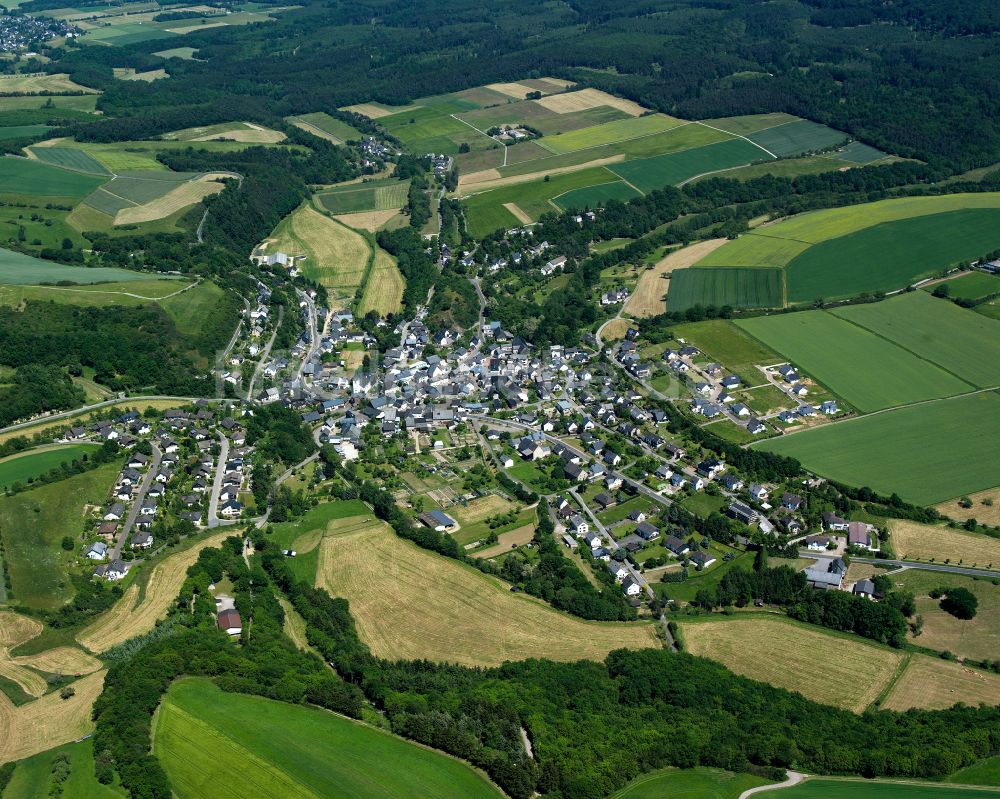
pixel 542 118
pixel 375 195
pixel 327 127
pixel 384 290
pixel 818 788
pixel 411 603
pixel 737 287
pixel 926 453
pixel 609 132
pixel 231 745
pixel 985 772
pixel 796 138
pixel 973 286
pixel 594 196
pixel 30 177
pixel 785 168
pixel 122 157
pixel 695 783
pixel 671 169
pixel 33 524
pixel 433 129
pixel 332 253
pixel 26 466
pixel 751 123
pixel 42 227
pixel 916 541
pixel 39 82
pixel 841 671
pixel 725 343
pixel 866 370
pixel 19 269
pixel 956 339
pixel 32 776
pixel 69 158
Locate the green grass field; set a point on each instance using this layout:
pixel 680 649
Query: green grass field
pixel 33 523
pixel 858 789
pixel 985 772
pixel 16 268
pixel 70 158
pixel 594 196
pixel 784 168
pixel 796 138
pixel 77 102
pixel 869 372
pixel 43 227
pixel 376 195
pixel 973 286
pixel 671 169
pixel 332 126
pixel 695 783
pixel 609 132
pixel 95 294
pixel 907 250
pixel 23 467
pixel 859 153
pixel 723 342
pixel 926 453
pixel 231 745
pixel 21 131
pixel 751 123
pixel 956 339
pixel 27 177
pixel 434 130
pixel 32 778
pixel 737 287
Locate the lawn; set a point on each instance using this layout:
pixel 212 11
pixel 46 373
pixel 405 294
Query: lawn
pixel 33 524
pixel 332 253
pixel 246 747
pixel 695 783
pixel 672 169
pixel 702 504
pixel 609 133
pixel 34 178
pixel 32 777
pixel 28 465
pixel 594 196
pixel 376 195
pixel 868 371
pixel 815 788
pixel 925 453
pixel 835 670
pixel 966 344
pixel 907 250
pixel 972 286
pixel 734 286
pixel 710 578
pixel 796 138
pixel 410 604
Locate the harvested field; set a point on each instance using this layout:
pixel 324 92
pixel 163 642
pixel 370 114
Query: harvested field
pixel 371 110
pixel 987 514
pixel 521 216
pixel 915 541
pixel 507 541
pixel 410 603
pixel 934 684
pixel 648 298
pixel 518 91
pixel 787 655
pixel 128 617
pixel 30 681
pixel 48 721
pixel 331 253
pixel 248 133
pixel 384 290
pixel 61 660
pixel 586 99
pixel 615 329
pixel 184 195
pixel 16 629
pixel 480 509
pixel 369 220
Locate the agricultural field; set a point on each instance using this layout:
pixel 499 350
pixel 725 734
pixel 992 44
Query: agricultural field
pixel 33 524
pixel 330 252
pixel 609 132
pixel 184 53
pixel 936 684
pixel 35 227
pixel 985 507
pixel 326 127
pixel 695 783
pixel 851 361
pixel 648 297
pixel 974 286
pixel 246 132
pixel 452 612
pixel 373 195
pixel 39 82
pixel 26 466
pixel 831 788
pixel 32 776
pixel 76 102
pixel 964 343
pixel 19 269
pixel 247 747
pixel 23 176
pixel 143 605
pixel 594 196
pixel 834 670
pixel 797 138
pixel 927 542
pixel 737 287
pixel 677 168
pixel 384 290
pixel 725 343
pixel 925 453
pixel 433 129
pixel 140 196
pixel 985 772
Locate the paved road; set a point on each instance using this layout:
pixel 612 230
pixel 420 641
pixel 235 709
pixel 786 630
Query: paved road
pixel 220 471
pixel 931 567
pixel 133 511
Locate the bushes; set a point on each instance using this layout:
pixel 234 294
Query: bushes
pixel 959 602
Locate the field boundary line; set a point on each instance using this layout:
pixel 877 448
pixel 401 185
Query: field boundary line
pixel 483 132
pixel 904 664
pixel 738 136
pixel 594 186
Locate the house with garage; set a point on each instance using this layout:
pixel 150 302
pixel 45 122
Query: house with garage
pixel 676 545
pixel 832 522
pixel 702 560
pixel 578 525
pixel 647 531
pixel 630 587
pixel 862 535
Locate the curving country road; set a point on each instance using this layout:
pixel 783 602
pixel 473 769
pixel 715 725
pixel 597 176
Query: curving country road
pixel 794 778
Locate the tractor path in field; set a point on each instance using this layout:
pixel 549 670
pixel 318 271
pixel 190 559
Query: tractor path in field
pixel 794 778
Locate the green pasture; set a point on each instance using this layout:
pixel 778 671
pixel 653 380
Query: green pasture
pixel 892 255
pixel 331 125
pixel 723 342
pixel 972 286
pixel 17 268
pixel 858 153
pixel 866 370
pixel 956 339
pixel 28 177
pixel 378 195
pixel 815 788
pixel 695 783
pixel 550 123
pixel 673 168
pixel 433 130
pixel 609 132
pixel 985 772
pixel 782 168
pixel 925 453
pixel 736 287
pixel 22 131
pixel 796 138
pixel 33 524
pixel 132 292
pixel 594 196
pixel 79 102
pixel 24 467
pixel 751 123
pixel 32 777
pixel 233 745
pixel 124 33
pixel 43 227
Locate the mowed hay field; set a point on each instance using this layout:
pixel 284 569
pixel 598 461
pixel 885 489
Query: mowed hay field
pixel 48 721
pixel 925 453
pixel 836 671
pixel 411 604
pixel 37 82
pixel 130 616
pixel 985 507
pixel 332 253
pixel 181 196
pixel 647 299
pixel 221 745
pixel 375 195
pixel 915 541
pixel 384 290
pixel 935 684
pixel 28 465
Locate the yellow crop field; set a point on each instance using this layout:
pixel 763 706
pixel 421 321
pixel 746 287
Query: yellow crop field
pixel 331 253
pixel 935 684
pixel 128 617
pixel 585 99
pixel 194 191
pixel 384 290
pixel 410 603
pixel 40 82
pixel 915 541
pixel 651 290
pixel 371 221
pixel 48 721
pixel 16 629
pixel 822 667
